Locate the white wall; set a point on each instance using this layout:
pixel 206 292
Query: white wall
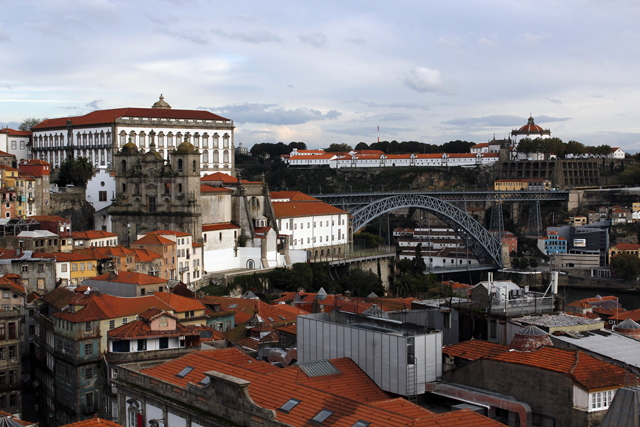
pixel 101 181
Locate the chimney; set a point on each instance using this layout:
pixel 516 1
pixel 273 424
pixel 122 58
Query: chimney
pixel 112 274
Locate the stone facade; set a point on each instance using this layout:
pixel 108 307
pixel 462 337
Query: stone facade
pixel 154 194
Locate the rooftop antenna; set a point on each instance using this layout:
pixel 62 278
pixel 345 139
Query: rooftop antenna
pixel 378 133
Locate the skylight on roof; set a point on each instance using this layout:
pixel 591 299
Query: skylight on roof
pixel 322 416
pixel 361 423
pixel 185 371
pixel 205 381
pixel 233 305
pixel 280 316
pixel 270 319
pixel 292 403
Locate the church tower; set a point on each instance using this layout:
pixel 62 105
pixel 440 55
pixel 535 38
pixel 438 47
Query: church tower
pixel 154 194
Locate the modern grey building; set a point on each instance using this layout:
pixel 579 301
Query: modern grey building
pixel 399 357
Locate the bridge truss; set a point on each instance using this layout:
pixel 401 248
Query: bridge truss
pixel 485 247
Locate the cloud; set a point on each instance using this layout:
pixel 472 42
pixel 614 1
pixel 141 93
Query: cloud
pixel 407 106
pixel 4 36
pixel 449 41
pixel 93 105
pixel 318 40
pixel 371 131
pixel 5 86
pixel 528 39
pixel 356 40
pixel 11 125
pixel 499 120
pixel 486 42
pixel 423 79
pixel 272 114
pixel 555 101
pixel 255 37
pixel 197 38
pixel 391 117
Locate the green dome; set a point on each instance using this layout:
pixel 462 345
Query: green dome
pixel 186 148
pixel 129 148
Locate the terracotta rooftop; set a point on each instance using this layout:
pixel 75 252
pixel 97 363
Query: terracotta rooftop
pixel 13 284
pixel 474 349
pixel 627 247
pixel 588 372
pixel 245 308
pixel 93 422
pixel 305 208
pixel 131 278
pixel 204 188
pixel 92 234
pixel 293 196
pixel 225 179
pixel 167 233
pixel 219 226
pixel 141 329
pixel 179 303
pixel 153 240
pixel 349 404
pixel 110 116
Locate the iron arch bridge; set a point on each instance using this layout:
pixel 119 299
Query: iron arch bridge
pixel 484 246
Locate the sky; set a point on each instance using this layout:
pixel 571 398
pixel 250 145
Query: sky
pixel 326 72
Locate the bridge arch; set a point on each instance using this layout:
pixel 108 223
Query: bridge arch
pixel 484 246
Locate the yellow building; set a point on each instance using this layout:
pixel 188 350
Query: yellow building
pixel 11 180
pixel 532 184
pixel 71 268
pixel 579 221
pixel 635 206
pixel 624 248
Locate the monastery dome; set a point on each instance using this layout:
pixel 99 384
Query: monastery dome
pixel 186 148
pixel 530 127
pixel 161 103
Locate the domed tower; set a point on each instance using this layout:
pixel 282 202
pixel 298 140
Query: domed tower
pixel 185 164
pixel 530 130
pixel 530 338
pixel 628 327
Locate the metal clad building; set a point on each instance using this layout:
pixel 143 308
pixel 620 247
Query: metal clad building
pixel 399 357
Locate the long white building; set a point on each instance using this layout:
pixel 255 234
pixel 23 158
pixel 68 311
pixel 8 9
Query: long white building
pixel 98 134
pixel 378 159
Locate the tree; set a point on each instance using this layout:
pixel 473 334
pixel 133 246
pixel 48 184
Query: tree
pixel 404 285
pixel 362 283
pixel 338 147
pixel 30 122
pixel 533 262
pixel 76 171
pixel 626 266
pixel 362 146
pixel 419 265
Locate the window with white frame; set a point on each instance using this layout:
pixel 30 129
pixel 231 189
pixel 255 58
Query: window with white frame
pixel 601 400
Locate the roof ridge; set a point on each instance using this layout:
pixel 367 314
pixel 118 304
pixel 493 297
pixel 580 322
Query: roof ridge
pixel 575 364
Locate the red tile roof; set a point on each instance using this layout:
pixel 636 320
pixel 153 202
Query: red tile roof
pixel 297 209
pixel 144 255
pixel 13 284
pixel 54 218
pixel 588 372
pixel 14 132
pixel 474 349
pixel 141 329
pixel 179 303
pixel 131 278
pixel 633 315
pixel 204 188
pixel 219 226
pixel 166 233
pixel 110 116
pixel 349 404
pixel 627 247
pixel 102 307
pixel 225 179
pixel 294 196
pixel 244 309
pixel 92 234
pixel 94 422
pixel 153 240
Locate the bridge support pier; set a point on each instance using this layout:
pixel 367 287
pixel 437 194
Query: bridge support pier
pixel 535 219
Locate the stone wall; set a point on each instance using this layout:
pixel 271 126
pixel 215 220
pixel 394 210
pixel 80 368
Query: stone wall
pixel 72 204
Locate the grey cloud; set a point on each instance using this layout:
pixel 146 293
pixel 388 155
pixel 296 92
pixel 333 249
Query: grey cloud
pixel 356 40
pixel 4 36
pixel 370 130
pixel 391 117
pixel 555 101
pixel 423 79
pixel 318 40
pixel 93 105
pixel 500 120
pixel 272 114
pixel 197 38
pixel 396 105
pixel 255 37
pixel 5 86
pixel 159 20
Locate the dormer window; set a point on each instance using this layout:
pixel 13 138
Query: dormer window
pixel 163 321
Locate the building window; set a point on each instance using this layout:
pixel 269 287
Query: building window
pixel 88 349
pixel 12 352
pixel 163 343
pixel 88 373
pixel 163 321
pixel 142 345
pixel 102 196
pixel 112 324
pixel 88 399
pixel 12 331
pixel 601 400
pixel 74 267
pixel 152 204
pixel 87 327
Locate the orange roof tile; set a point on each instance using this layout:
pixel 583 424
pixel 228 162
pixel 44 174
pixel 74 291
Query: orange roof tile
pixel 225 179
pixel 92 234
pixel 153 240
pixel 209 189
pixel 12 284
pixel 297 209
pixel 179 303
pixel 166 233
pixel 102 307
pixel 588 372
pixel 140 328
pixel 130 278
pixel 293 196
pixel 349 405
pixel 219 226
pixel 94 422
pixel 474 349
pixel 110 116
pixel 627 247
pixel 244 309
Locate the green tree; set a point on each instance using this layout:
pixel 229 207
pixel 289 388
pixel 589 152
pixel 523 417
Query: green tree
pixel 404 285
pixel 362 146
pixel 30 122
pixel 362 283
pixel 533 262
pixel 626 266
pixel 368 240
pixel 630 176
pixel 419 265
pixel 338 147
pixel 76 171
